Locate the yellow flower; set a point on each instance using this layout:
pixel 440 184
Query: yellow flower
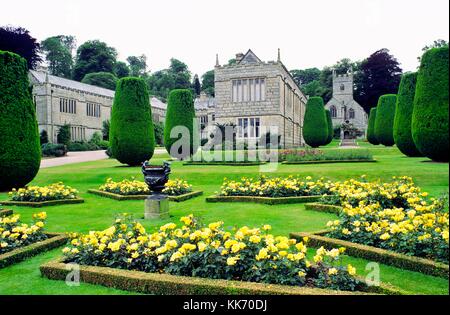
pixel 231 261
pixel 351 270
pixel 266 227
pixel 332 271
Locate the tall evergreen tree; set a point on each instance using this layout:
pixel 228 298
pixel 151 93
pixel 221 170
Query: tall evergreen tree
pixel 315 128
pixel 196 86
pixel 384 119
pixel 20 150
pixel 430 112
pixel 132 135
pixel 403 115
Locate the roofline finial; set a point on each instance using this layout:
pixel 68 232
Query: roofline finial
pixel 217 60
pixel 279 55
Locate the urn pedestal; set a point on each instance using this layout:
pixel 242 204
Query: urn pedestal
pixel 156 204
pixel 156 207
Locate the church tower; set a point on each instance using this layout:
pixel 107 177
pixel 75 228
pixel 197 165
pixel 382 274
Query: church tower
pixel 343 86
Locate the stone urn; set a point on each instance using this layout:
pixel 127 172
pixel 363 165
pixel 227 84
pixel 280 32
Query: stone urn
pixel 156 176
pixel 157 203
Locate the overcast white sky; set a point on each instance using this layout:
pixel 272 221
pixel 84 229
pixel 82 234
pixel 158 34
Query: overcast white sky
pixel 309 33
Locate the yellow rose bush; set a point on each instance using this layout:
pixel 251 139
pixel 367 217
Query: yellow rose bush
pixel 128 187
pixel 125 187
pixel 275 187
pixel 395 216
pixel 209 251
pixel 15 234
pixel 57 191
pixel 177 187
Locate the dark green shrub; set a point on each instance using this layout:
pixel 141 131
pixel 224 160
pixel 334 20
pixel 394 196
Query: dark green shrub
pixel 315 129
pixel 132 136
pixel 384 121
pixel 57 150
pixel 20 150
pixel 180 113
pixel 78 146
pixel 159 133
pixel 430 113
pixel 403 115
pixel 43 137
pixel 63 136
pixel 371 127
pixel 330 127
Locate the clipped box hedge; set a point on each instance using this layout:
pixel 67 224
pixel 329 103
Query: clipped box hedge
pixel 5 212
pixel 387 257
pixel 19 254
pixel 330 161
pixel 41 204
pixel 225 163
pixel 264 200
pixel 143 197
pixel 166 284
pixel 323 208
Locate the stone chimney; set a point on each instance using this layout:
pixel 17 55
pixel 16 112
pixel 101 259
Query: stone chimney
pixel 239 57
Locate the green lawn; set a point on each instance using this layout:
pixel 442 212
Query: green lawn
pixel 98 213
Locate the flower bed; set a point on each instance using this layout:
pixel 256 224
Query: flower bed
pixel 19 240
pixel 196 250
pixel 384 256
pixel 15 234
pixel 155 283
pixel 275 187
pixel 178 190
pixel 296 156
pixel 264 200
pixel 35 196
pixel 395 216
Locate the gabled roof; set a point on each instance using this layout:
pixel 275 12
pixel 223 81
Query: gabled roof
pixel 155 102
pixel 249 58
pixel 40 77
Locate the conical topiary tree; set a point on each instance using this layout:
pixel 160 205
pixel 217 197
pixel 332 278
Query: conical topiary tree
pixel 384 121
pixel 132 136
pixel 20 150
pixel 180 115
pixel 371 127
pixel 403 115
pixel 330 127
pixel 315 126
pixel 430 113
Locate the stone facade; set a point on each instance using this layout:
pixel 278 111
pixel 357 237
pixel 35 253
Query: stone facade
pixel 344 109
pixel 84 107
pixel 252 94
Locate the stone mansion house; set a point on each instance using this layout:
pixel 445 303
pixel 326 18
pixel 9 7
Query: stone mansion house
pixel 250 94
pixel 84 107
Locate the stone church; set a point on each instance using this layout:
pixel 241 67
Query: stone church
pixel 345 111
pixel 84 107
pixel 252 94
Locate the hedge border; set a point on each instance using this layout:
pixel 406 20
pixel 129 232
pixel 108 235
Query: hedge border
pixel 329 161
pixel 155 283
pixel 264 200
pixel 5 212
pixel 320 207
pixel 19 254
pixel 192 163
pixel 118 197
pixel 41 204
pixel 388 257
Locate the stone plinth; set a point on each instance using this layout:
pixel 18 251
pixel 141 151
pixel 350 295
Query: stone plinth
pixel 156 207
